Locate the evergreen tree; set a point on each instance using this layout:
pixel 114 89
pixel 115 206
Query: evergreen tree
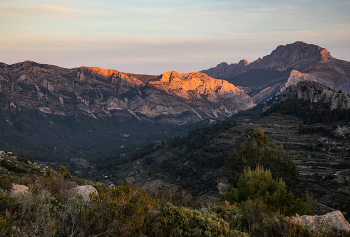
pixel 259 151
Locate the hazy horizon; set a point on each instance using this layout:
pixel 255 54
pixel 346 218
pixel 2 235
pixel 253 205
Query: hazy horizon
pixel 152 37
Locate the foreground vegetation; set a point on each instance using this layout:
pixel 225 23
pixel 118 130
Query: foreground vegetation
pixel 260 202
pixel 132 211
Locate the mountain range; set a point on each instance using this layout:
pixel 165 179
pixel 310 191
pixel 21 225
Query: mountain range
pixel 172 98
pixel 286 65
pixel 87 115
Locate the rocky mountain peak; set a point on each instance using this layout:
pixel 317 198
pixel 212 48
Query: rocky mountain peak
pixel 299 51
pixel 195 81
pixel 299 55
pixel 286 65
pixel 317 93
pixel 243 63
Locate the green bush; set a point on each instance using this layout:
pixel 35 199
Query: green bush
pixel 13 166
pixel 181 221
pixel 259 151
pixel 8 203
pixel 5 183
pixel 230 214
pixel 23 159
pixel 122 211
pixel 259 185
pixel 34 217
pixel 56 183
pixel 259 220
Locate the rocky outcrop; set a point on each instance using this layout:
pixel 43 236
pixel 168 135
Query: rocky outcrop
pixel 82 192
pixel 332 219
pixel 18 190
pixel 100 93
pixel 200 90
pixel 341 131
pixel 315 92
pixel 295 77
pixel 285 66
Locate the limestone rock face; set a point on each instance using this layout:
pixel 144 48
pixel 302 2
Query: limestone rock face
pixel 209 95
pixel 100 93
pixel 18 190
pixel 83 192
pixel 295 77
pixel 334 219
pixel 285 66
pixel 315 92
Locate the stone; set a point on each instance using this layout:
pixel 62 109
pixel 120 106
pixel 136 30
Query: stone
pixel 341 131
pixel 130 179
pixel 111 186
pixel 18 190
pixel 323 140
pixel 223 187
pixel 83 192
pixel 333 219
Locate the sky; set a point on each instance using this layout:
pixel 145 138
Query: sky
pixel 155 36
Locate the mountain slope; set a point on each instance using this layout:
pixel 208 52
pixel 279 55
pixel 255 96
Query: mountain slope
pixel 196 162
pixel 102 93
pixel 56 114
pixel 286 65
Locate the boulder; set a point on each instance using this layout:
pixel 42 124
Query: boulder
pixel 83 192
pixel 18 190
pixel 341 131
pixel 111 186
pixel 333 219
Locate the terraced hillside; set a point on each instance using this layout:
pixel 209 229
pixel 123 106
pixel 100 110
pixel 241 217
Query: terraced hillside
pixel 316 137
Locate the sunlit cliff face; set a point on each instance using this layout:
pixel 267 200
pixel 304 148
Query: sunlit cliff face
pixel 196 84
pixel 113 74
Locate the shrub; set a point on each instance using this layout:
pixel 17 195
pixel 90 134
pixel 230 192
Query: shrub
pixel 173 195
pixel 230 214
pixel 5 183
pixel 63 170
pixel 259 185
pixel 259 220
pixel 122 211
pixel 259 151
pixel 55 183
pixel 34 217
pixel 181 221
pixel 67 216
pixel 13 166
pixel 23 159
pixel 8 203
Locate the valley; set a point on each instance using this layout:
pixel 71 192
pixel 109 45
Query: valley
pixel 197 165
pixel 177 129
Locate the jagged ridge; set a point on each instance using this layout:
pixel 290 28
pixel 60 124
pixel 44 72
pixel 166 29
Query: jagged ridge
pixel 102 93
pixel 317 93
pixel 286 65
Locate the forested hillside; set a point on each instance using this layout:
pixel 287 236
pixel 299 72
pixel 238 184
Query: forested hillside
pixel 312 134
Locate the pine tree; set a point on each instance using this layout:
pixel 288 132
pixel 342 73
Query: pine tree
pixel 259 151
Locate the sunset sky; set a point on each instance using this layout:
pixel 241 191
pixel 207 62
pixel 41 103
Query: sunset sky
pixel 152 37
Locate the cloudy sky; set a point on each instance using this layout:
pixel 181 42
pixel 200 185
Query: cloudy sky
pixel 154 36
